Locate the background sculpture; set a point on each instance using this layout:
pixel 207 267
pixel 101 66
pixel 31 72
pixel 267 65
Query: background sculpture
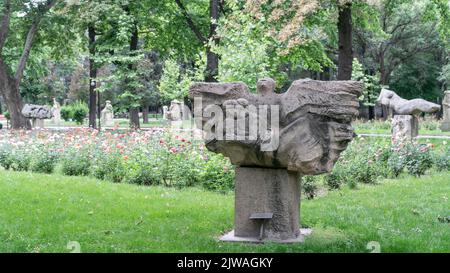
pixel 107 115
pixel 446 112
pixel 313 129
pixel 37 113
pixel 406 107
pixel 405 123
pixel 56 111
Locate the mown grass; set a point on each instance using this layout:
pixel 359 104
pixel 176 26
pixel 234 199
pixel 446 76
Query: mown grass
pixel 42 213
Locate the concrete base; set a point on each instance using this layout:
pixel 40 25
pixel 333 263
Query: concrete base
pixel 267 191
pixel 445 127
pixel 231 237
pixel 38 123
pixel 405 126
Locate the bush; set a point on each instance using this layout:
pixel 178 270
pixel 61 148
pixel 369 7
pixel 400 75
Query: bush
pixel 43 161
pixel 442 162
pixel 79 112
pixel 218 174
pixel 75 162
pixel 418 159
pixel 309 186
pixel 7 115
pixel 5 157
pixel 109 167
pixel 20 160
pixel 66 113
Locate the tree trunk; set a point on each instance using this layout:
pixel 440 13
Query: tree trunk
pixel 134 111
pixel 371 112
pixel 10 90
pixel 134 118
pixel 345 43
pixel 92 82
pixel 145 113
pixel 212 59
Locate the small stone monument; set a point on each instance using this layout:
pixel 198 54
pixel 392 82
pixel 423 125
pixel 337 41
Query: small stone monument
pixel 445 127
pixel 37 114
pixel 165 111
pixel 174 113
pixel 405 123
pixel 107 115
pixel 309 127
pixel 56 111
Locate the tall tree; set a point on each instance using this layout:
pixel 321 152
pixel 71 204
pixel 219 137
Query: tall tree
pixel 9 81
pixel 345 42
pixel 212 62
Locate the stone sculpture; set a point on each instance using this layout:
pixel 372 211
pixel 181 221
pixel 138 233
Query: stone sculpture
pixel 174 113
pixel 107 115
pixel 445 127
pixel 165 111
pixel 405 124
pixel 402 106
pixel 37 113
pixel 56 111
pixel 310 128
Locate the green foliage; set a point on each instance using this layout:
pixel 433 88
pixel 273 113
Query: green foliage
pixel 79 111
pixel 66 112
pixel 174 83
pixel 44 161
pixel 309 186
pixel 217 175
pixel 75 162
pixel 7 115
pixel 372 87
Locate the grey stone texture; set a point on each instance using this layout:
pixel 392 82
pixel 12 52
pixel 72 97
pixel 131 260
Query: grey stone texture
pixel 405 127
pixel 402 106
pixel 37 111
pixel 445 127
pixel 264 190
pixel 314 128
pixel 314 122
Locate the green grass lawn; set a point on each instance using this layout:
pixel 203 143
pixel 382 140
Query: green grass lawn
pixel 42 213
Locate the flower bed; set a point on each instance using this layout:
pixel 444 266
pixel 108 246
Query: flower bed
pixel 154 157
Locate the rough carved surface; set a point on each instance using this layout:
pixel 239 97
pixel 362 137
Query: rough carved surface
pixel 37 111
pixel 406 107
pixel 107 114
pixel 446 112
pixel 405 127
pixel 314 124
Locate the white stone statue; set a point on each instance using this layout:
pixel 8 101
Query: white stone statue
pixel 174 113
pixel 446 112
pixel 405 124
pixel 165 111
pixel 107 115
pixel 56 110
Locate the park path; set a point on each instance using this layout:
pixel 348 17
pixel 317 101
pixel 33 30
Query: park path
pixel 420 136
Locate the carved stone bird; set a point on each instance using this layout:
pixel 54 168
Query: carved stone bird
pixel 313 125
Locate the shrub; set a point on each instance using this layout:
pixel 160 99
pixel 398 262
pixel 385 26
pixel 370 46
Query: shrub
pixel 442 162
pixel 7 115
pixel 418 159
pixel 218 174
pixel 20 159
pixel 309 186
pixel 75 162
pixel 43 161
pixel 66 113
pixel 109 167
pixel 79 112
pixel 5 157
pixel 334 180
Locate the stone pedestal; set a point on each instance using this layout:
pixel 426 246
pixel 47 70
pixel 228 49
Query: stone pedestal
pixel 263 191
pixel 38 123
pixel 405 126
pixel 445 126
